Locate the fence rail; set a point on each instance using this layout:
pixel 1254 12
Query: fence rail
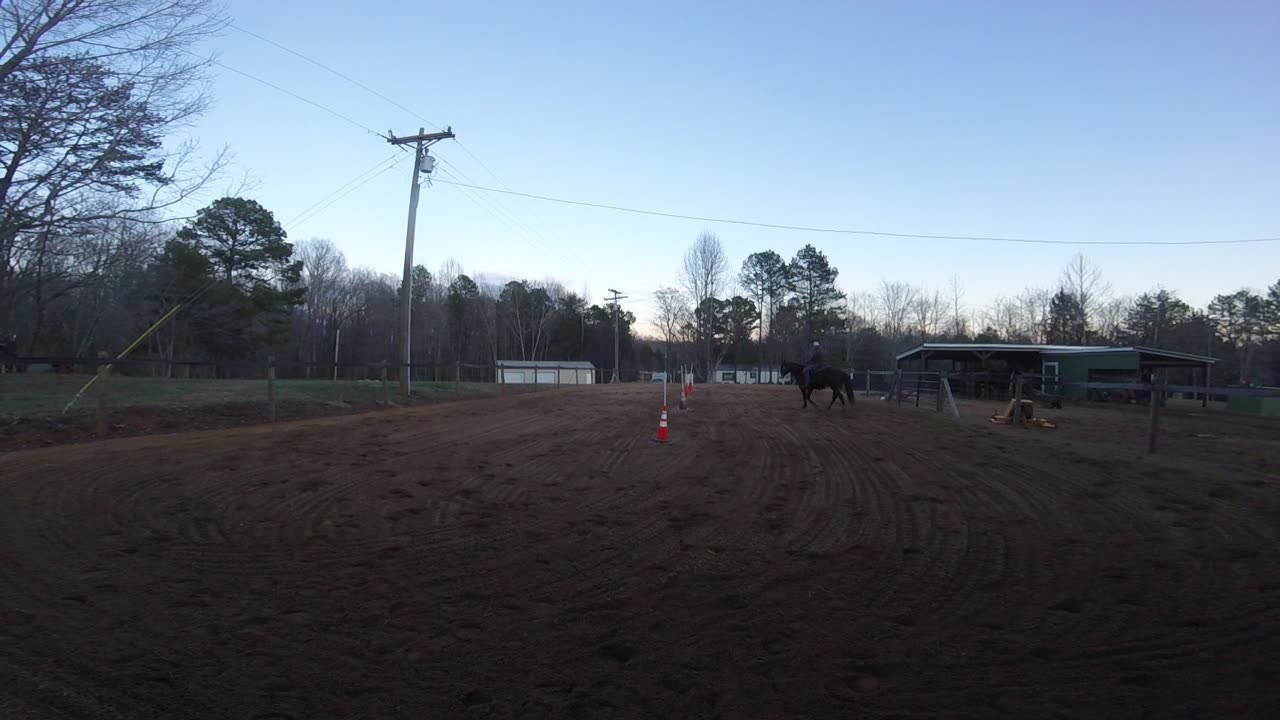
pixel 115 391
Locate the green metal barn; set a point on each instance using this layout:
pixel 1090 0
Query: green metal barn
pixel 1072 365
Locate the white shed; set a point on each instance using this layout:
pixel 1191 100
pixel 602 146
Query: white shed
pixel 546 372
pixel 746 374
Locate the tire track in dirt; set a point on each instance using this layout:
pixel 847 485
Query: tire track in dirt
pixel 540 556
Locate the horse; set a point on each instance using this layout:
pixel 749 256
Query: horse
pixel 824 377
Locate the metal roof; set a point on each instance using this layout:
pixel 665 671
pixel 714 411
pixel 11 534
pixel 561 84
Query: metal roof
pixel 1000 347
pixel 548 364
pixel 1054 350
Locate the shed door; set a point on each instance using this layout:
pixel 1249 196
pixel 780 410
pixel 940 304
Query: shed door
pixel 1049 381
pixel 546 377
pixel 514 377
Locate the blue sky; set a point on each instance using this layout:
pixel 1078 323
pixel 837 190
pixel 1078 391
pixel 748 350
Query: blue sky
pixel 1069 121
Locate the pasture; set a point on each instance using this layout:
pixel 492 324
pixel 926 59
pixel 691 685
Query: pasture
pixel 538 556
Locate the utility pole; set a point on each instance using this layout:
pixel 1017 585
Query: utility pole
pixel 421 163
pixel 616 297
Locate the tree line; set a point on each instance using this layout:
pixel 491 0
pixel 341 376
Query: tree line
pixel 248 293
pixel 94 96
pixel 772 308
pixel 95 93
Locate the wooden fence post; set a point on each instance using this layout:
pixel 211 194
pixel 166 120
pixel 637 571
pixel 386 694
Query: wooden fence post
pixel 386 399
pixel 457 378
pixel 867 391
pixel 918 379
pixel 941 376
pixel 1153 432
pixel 271 388
pixel 951 398
pixel 100 414
pixel 898 384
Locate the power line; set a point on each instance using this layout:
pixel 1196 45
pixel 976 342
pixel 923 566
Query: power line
pixel 290 93
pixel 326 68
pixel 392 102
pixel 342 187
pixel 294 225
pixel 842 231
pixel 535 236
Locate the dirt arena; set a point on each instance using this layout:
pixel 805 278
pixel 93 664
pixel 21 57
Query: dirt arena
pixel 538 556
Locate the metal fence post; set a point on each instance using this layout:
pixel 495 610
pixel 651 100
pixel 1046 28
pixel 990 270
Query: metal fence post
pixel 386 400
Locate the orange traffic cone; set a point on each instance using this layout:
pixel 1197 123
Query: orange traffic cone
pixel 688 388
pixel 662 427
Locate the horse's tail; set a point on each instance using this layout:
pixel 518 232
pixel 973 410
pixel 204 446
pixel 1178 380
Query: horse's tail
pixel 848 387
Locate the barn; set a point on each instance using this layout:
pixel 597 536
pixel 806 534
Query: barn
pixel 1073 365
pixel 546 372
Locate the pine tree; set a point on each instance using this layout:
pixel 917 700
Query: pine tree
pixel 1066 318
pixel 254 281
pixel 813 281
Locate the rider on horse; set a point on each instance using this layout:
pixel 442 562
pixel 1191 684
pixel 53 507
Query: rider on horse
pixel 815 362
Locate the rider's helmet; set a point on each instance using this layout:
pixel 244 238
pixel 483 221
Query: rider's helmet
pixel 816 343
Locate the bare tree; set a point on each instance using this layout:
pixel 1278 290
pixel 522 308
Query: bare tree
pixel 703 274
pixel 92 89
pixel 860 310
pixel 1109 317
pixel 1033 313
pixel 1006 318
pixel 672 313
pixel 959 321
pixel 1083 280
pixel 895 299
pixel 927 310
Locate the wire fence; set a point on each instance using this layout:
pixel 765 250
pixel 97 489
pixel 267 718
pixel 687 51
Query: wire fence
pixel 119 392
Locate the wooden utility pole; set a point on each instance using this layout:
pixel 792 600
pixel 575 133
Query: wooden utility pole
pixel 616 297
pixel 421 163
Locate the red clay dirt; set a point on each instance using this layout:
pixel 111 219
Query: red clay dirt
pixel 540 557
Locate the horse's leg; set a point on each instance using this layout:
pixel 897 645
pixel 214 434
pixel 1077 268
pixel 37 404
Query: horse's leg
pixel 834 394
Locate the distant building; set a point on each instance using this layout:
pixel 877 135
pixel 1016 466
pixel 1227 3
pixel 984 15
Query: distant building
pixel 1075 366
pixel 729 374
pixel 546 372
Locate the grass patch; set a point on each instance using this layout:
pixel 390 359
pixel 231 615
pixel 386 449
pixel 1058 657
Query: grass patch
pixel 35 396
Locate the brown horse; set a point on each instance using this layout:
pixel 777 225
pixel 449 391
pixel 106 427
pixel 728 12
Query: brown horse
pixel 824 377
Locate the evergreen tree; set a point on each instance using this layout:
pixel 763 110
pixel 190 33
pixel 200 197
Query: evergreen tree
pixel 253 281
pixel 741 318
pixel 764 276
pixel 813 280
pixel 1154 318
pixel 1066 318
pixel 461 314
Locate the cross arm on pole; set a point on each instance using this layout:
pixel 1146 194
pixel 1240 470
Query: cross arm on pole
pixel 421 137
